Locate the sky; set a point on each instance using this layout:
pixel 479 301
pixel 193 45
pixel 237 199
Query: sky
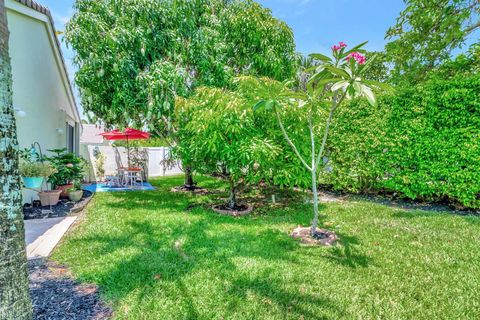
pixel 316 24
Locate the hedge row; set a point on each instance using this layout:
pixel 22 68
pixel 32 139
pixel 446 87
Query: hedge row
pixel 422 142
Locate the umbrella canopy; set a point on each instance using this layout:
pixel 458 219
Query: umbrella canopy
pixel 128 134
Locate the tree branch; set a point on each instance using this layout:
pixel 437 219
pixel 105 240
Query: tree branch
pixel 327 127
pixel 312 138
pixel 290 141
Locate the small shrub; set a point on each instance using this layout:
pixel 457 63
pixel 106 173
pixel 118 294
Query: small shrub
pixel 36 169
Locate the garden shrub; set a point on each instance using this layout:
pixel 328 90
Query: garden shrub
pixel 423 142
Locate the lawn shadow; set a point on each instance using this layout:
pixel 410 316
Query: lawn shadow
pixel 347 254
pixel 472 218
pixel 272 293
pixel 155 248
pixel 171 255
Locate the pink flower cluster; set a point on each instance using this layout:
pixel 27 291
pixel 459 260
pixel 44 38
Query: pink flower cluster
pixel 340 45
pixel 358 57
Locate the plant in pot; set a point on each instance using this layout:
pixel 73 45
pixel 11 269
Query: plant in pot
pixel 75 194
pixel 34 173
pixel 69 168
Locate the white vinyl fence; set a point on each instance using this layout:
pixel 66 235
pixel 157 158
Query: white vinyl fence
pixel 153 160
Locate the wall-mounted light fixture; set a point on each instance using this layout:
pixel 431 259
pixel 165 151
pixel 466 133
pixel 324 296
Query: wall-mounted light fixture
pixel 20 113
pixel 59 131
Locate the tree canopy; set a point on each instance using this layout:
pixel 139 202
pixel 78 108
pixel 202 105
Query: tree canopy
pixel 427 32
pixel 135 56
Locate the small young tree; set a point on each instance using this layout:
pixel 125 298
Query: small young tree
pixel 220 135
pixel 333 80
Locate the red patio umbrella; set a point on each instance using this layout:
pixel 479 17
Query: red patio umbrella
pixel 127 134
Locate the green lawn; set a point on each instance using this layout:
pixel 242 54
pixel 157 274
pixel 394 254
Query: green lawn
pixel 157 255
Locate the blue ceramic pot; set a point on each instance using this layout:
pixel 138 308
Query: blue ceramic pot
pixel 33 182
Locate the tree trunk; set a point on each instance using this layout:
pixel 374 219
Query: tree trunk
pixel 15 300
pixel 232 199
pixel 189 184
pixel 315 202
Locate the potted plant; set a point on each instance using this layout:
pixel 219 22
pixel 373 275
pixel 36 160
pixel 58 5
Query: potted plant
pixel 75 193
pixel 49 198
pixel 33 173
pixel 69 168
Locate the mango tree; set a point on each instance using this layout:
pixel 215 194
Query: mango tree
pixel 135 57
pixel 220 134
pixel 333 81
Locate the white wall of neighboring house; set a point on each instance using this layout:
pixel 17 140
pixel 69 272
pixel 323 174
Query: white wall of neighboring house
pixel 42 94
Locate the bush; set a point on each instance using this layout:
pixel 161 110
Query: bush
pixel 69 167
pixel 423 142
pixel 36 169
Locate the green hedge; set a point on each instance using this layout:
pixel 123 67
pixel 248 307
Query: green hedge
pixel 423 142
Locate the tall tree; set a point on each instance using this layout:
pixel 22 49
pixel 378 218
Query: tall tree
pixel 136 56
pixel 427 32
pixel 14 296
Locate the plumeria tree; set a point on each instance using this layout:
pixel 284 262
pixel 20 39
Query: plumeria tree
pixel 333 80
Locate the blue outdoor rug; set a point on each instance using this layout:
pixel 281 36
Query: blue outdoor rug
pixel 102 187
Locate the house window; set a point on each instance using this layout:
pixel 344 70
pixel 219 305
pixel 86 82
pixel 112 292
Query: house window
pixel 70 138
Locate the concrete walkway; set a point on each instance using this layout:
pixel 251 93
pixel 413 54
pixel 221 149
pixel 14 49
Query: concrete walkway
pixel 42 235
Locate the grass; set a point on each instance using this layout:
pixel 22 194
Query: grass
pixel 154 255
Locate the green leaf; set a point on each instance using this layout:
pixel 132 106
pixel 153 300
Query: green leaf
pixel 357 48
pixel 368 93
pixel 381 85
pixel 320 57
pixel 259 105
pixel 339 85
pixel 339 72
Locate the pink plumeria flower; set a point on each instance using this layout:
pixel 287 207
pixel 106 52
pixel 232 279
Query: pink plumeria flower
pixel 357 56
pixel 69 165
pixel 340 45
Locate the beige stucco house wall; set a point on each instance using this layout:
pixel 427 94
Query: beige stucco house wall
pixel 46 110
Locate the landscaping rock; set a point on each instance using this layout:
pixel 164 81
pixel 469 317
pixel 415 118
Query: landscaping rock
pixel 322 237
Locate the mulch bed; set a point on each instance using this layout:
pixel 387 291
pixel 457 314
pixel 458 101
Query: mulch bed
pixel 322 237
pixel 195 190
pixel 62 209
pixel 55 296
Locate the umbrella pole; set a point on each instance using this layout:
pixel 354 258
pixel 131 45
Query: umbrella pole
pixel 128 153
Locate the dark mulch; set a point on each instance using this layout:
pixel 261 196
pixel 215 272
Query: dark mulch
pixel 194 190
pixel 62 209
pixel 395 201
pixel 56 296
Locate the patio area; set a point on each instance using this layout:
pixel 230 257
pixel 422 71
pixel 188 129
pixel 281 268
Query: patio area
pixel 104 187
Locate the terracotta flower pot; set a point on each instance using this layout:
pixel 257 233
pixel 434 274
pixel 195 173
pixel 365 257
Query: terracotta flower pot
pixel 49 198
pixel 76 195
pixel 64 191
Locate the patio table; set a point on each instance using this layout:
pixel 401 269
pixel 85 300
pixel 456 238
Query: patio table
pixel 131 175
